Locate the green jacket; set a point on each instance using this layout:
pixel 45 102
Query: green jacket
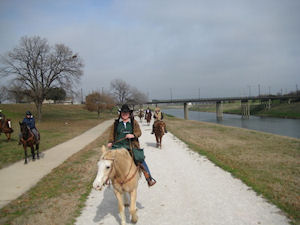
pixel 118 131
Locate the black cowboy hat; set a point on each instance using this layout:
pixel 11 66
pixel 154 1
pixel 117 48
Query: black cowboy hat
pixel 28 113
pixel 125 108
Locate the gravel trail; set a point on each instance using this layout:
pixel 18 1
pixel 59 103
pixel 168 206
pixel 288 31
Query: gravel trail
pixel 190 190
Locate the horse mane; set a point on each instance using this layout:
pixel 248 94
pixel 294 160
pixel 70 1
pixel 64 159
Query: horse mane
pixel 117 154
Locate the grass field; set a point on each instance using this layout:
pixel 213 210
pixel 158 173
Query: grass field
pixel 59 123
pixel 267 163
pixel 59 196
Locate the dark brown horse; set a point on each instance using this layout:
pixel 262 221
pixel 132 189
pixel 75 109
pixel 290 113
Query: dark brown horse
pixel 141 115
pixel 28 140
pixel 159 131
pixel 148 117
pixel 6 128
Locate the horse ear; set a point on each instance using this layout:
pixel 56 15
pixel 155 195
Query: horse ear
pixel 103 149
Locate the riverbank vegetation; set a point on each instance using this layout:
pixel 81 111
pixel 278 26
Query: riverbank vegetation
pixel 282 110
pixel 267 163
pixel 60 123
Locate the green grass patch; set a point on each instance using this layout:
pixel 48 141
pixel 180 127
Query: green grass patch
pixel 59 123
pixel 59 196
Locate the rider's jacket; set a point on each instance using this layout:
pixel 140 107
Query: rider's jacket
pixel 30 122
pixel 118 131
pixel 158 115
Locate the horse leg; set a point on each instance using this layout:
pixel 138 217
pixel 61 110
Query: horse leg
pixel 37 151
pixel 160 138
pixel 25 152
pixel 134 217
pixel 157 141
pixel 32 152
pixel 121 207
pixel 126 199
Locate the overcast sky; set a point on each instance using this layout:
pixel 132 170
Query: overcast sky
pixel 223 48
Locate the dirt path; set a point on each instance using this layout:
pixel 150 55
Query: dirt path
pixel 19 178
pixel 189 190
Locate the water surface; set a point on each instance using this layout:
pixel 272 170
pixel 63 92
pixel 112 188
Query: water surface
pixel 285 127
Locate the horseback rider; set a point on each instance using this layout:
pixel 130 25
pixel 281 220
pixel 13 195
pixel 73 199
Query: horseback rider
pixel 2 118
pixel 30 122
pixel 124 134
pixel 158 116
pixel 148 110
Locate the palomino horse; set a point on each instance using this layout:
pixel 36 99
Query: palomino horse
pixel 6 128
pixel 28 140
pixel 118 166
pixel 159 131
pixel 148 117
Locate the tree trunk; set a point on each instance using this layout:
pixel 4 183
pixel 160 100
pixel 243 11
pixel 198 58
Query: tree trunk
pixel 39 110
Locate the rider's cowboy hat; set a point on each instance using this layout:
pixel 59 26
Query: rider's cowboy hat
pixel 125 108
pixel 28 113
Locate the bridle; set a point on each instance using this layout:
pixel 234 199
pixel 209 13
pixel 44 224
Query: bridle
pixel 122 182
pixel 31 135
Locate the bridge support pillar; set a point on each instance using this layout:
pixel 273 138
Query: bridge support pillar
pixel 219 110
pixel 186 115
pixel 245 109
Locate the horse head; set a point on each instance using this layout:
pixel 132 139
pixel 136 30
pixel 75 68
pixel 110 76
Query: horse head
pixel 105 168
pixel 24 130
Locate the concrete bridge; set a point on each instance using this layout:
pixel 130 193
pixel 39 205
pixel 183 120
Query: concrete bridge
pixel 245 105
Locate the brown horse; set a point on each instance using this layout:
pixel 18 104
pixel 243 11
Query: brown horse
pixel 6 128
pixel 28 140
pixel 141 115
pixel 118 166
pixel 148 117
pixel 159 131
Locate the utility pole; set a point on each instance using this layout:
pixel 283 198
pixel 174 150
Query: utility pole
pixel 249 89
pixel 81 97
pixel 258 90
pixel 269 90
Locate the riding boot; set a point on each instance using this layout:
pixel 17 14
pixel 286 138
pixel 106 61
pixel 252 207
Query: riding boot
pixel 147 175
pixel 152 129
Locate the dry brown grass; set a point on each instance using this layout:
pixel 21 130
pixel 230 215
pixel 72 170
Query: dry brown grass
pixel 268 163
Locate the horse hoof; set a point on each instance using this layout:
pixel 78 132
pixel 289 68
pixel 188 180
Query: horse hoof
pixel 134 219
pixel 25 162
pixel 126 205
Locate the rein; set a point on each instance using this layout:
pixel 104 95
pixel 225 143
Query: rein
pixel 126 180
pixel 29 138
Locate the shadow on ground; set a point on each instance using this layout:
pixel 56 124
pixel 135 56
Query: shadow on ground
pixel 109 206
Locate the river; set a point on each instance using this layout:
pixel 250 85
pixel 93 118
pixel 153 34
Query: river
pixel 285 127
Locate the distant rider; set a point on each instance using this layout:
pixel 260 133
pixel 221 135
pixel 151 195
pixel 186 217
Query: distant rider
pixel 30 122
pixel 158 116
pixel 2 118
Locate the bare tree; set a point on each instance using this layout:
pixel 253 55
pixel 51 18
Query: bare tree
pixel 121 90
pixel 137 96
pixel 39 67
pixel 3 94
